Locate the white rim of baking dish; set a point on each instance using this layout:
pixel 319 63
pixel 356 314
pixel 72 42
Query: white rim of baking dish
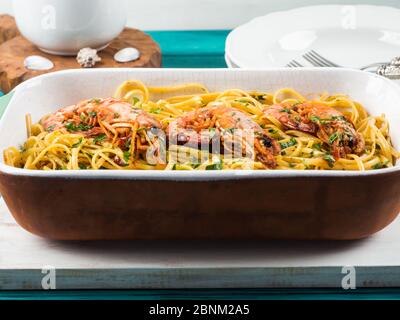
pixel 189 175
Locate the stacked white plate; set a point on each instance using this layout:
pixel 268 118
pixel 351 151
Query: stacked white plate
pixel 351 36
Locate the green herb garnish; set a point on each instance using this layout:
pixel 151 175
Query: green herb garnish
pixel 259 97
pixel 243 101
pixel 127 156
pixel 72 127
pixel 50 128
pixel 333 137
pixel 99 138
pixel 338 118
pixel 95 100
pixel 317 146
pixel 135 100
pixel 315 119
pixel 76 145
pixel 330 159
pixel 292 142
pixel 380 165
pixel 156 110
pixel 215 166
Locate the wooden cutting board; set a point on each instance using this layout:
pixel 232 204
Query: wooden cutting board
pixel 14 49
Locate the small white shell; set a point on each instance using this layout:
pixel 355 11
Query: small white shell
pixel 38 63
pixel 87 57
pixel 127 55
pixel 395 62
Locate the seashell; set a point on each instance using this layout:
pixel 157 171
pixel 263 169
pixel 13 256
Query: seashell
pixel 87 57
pixel 38 63
pixel 127 55
pixel 395 62
pixel 389 71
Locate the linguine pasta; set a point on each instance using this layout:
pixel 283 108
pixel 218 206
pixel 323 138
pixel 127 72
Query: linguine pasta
pixel 103 134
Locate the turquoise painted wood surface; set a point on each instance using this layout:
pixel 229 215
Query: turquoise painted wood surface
pixel 192 49
pixel 4 99
pixel 238 294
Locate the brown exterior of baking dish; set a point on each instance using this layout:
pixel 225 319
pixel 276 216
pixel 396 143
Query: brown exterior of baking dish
pixel 313 208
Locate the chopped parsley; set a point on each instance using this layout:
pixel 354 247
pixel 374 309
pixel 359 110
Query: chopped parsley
pixel 22 148
pixel 99 138
pixel 292 142
pixel 285 110
pixel 334 137
pixel 156 110
pixel 338 118
pixel 273 131
pixel 50 128
pixel 243 101
pixel 317 146
pixel 72 127
pixel 92 114
pixel 215 166
pixel 259 97
pixel 380 165
pixel 127 156
pixel 82 166
pixel 315 119
pixel 333 118
pixel 128 143
pixel 135 100
pixel 95 100
pixel 76 145
pixel 330 159
pixel 84 127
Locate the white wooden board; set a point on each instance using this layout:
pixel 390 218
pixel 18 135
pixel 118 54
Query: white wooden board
pixel 90 265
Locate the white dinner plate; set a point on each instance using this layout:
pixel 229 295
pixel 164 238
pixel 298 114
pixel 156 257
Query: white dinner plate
pixel 229 63
pixel 352 36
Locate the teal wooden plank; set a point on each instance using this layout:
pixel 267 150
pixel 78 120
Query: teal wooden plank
pixel 192 49
pixel 233 294
pixel 191 42
pixel 4 100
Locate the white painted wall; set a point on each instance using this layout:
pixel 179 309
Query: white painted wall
pixel 208 14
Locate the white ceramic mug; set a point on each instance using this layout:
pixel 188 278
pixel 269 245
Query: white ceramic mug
pixel 63 27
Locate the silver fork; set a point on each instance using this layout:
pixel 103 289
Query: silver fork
pixel 319 61
pixel 294 64
pixel 389 70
